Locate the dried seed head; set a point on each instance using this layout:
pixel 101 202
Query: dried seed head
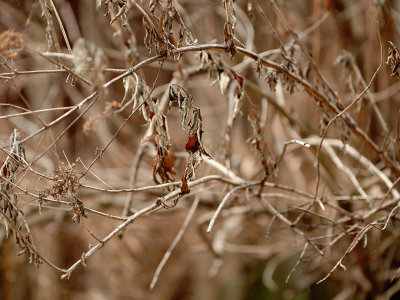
pixel 9 41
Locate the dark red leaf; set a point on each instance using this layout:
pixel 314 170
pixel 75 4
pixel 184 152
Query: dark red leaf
pixel 193 143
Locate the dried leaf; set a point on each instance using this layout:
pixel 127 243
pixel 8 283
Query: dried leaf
pixel 259 67
pixel 163 164
pixel 223 80
pixel 272 79
pixel 193 143
pixel 229 26
pixel 228 34
pixel 191 124
pixel 393 60
pixel 158 134
pixel 169 161
pixel 185 104
pixel 238 95
pixel 184 186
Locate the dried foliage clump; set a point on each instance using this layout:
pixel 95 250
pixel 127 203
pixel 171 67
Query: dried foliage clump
pixel 173 149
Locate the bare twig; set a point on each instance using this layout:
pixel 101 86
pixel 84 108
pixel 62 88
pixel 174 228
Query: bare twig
pixel 175 242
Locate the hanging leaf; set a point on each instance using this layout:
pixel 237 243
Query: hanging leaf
pixel 238 96
pixel 393 60
pixel 191 124
pixel 184 186
pixel 229 27
pixel 223 80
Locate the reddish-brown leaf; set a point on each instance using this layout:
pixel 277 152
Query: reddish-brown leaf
pixel 169 162
pixel 193 143
pixel 238 78
pixel 184 186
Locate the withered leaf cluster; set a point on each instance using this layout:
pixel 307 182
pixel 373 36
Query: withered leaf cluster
pixel 160 31
pixel 9 172
pixel 229 27
pixel 225 77
pixel 117 11
pixel 192 125
pixel 158 134
pixel 64 185
pixel 12 216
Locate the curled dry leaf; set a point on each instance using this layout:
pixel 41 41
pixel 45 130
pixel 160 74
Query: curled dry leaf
pixel 158 134
pixel 393 60
pixel 272 79
pixel 10 212
pixel 225 77
pixel 238 96
pixel 169 161
pixel 223 80
pixel 163 165
pixel 9 169
pixel 229 27
pixel 185 104
pixel 161 39
pixel 184 186
pixel 116 9
pixel 191 124
pixel 78 209
pixel 216 66
pixel 136 91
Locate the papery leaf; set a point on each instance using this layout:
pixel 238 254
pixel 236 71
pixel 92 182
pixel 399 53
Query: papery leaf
pixel 184 186
pixel 393 60
pixel 169 162
pixel 223 80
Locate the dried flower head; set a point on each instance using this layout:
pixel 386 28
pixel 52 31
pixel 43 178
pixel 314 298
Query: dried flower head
pixel 9 41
